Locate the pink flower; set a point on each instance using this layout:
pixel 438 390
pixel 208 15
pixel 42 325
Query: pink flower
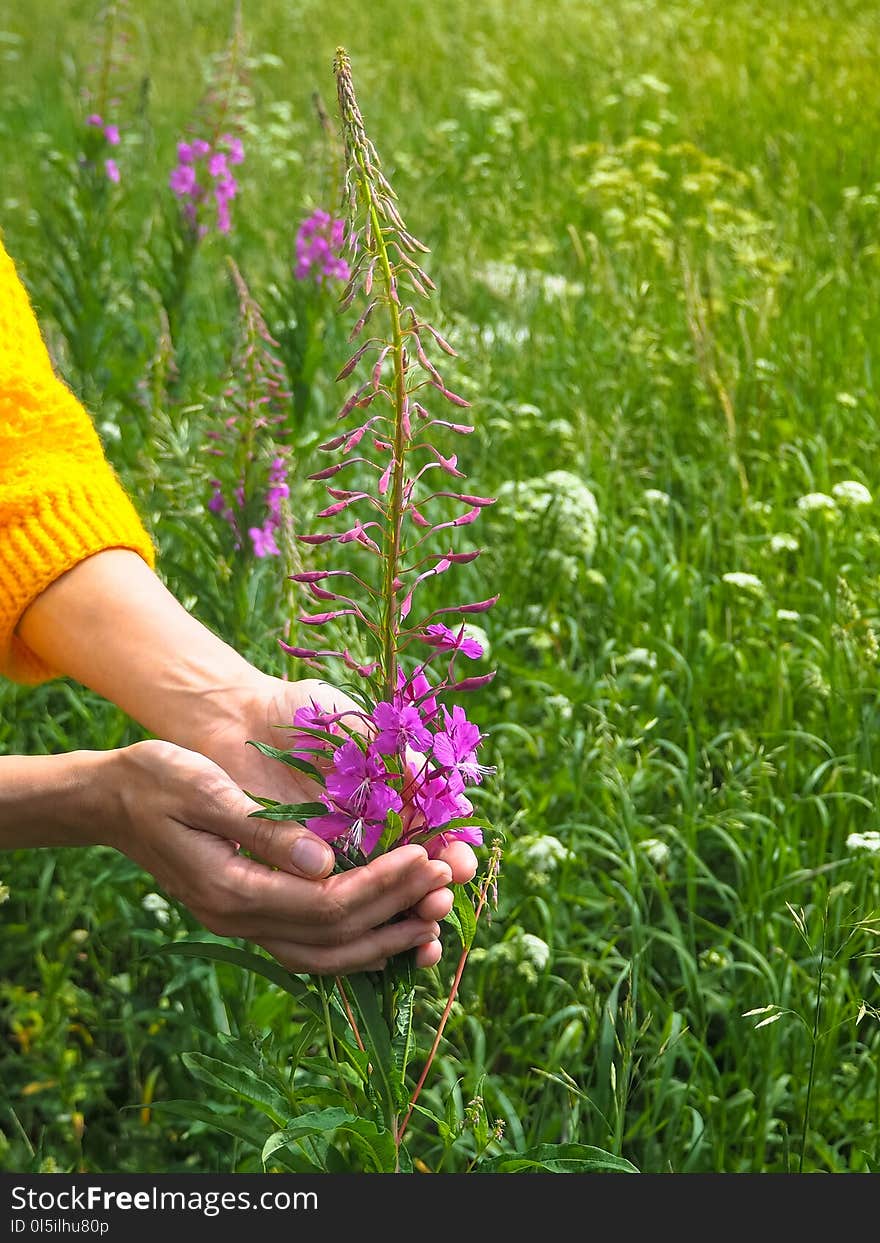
pixel 358 799
pixel 263 541
pixel 234 147
pixel 111 168
pixel 312 717
pixel 417 691
pixel 400 726
pixel 447 640
pixel 439 797
pixel 111 133
pixel 470 833
pixel 94 119
pixel 183 180
pixel 217 164
pixel 359 781
pixel 318 241
pixel 456 747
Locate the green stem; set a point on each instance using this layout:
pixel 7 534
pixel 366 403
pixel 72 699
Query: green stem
pixel 331 1043
pixel 815 1043
pixel 391 554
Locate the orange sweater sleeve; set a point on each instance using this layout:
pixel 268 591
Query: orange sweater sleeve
pixel 60 500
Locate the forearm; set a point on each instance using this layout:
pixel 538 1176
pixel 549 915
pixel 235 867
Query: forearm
pixel 53 800
pixel 112 625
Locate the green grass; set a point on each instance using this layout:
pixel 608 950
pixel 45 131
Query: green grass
pixel 654 228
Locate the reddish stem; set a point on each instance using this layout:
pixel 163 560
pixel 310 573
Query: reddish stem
pixel 489 880
pixel 350 1015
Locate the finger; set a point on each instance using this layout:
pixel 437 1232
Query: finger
pixel 288 846
pixel 358 955
pixel 462 861
pixel 436 905
pixel 335 910
pixel 216 804
pixel 429 955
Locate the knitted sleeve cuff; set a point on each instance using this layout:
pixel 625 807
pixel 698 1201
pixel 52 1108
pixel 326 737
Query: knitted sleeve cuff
pixel 52 535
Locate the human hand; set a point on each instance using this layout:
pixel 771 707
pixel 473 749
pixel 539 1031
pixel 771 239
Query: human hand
pixel 255 713
pixel 181 817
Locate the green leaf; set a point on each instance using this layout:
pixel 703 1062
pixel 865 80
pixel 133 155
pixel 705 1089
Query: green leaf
pixel 286 811
pixel 402 1042
pixel 390 834
pixel 376 1034
pixel 558 1159
pixel 227 1123
pixel 242 1082
pixel 448 1135
pixel 265 967
pixel 354 1069
pixel 462 916
pixel 292 761
pixel 374 1142
pixel 466 822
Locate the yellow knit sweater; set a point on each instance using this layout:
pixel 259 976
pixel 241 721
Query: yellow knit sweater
pixel 60 500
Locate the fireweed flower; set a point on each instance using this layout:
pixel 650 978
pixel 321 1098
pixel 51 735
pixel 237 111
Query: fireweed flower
pixel 386 504
pixel 250 498
pixel 445 639
pixel 203 175
pixel 110 135
pixel 395 765
pixel 319 242
pixel 399 727
pixel 455 747
pixel 358 798
pixel 398 514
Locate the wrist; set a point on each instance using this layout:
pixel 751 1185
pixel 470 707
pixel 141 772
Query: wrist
pixel 214 709
pixel 110 623
pixel 55 800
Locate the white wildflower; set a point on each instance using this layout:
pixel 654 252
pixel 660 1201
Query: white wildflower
pixel 654 496
pixel 156 905
pixel 864 841
pixel 559 705
pixel 787 615
pixel 851 492
pixel 657 851
pixel 814 501
pixel 640 656
pixel 715 957
pixel 783 542
pixel 743 581
pixel 561 510
pixel 541 852
pixel 534 950
pixel 761 509
pixel 847 399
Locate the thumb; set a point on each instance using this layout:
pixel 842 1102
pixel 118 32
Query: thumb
pixel 226 811
pixel 290 847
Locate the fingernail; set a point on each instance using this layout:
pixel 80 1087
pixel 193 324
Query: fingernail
pixel 429 935
pixel 309 856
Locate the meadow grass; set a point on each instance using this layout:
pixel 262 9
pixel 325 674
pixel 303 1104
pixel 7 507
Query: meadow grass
pixel 654 228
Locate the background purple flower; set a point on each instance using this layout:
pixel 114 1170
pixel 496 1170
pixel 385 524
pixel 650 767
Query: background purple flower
pixel 319 242
pixel 202 172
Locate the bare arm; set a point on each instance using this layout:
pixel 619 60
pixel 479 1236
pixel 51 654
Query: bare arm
pixel 179 810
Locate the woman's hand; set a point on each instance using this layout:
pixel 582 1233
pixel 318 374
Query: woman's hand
pixel 111 624
pixel 181 817
pixel 263 712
